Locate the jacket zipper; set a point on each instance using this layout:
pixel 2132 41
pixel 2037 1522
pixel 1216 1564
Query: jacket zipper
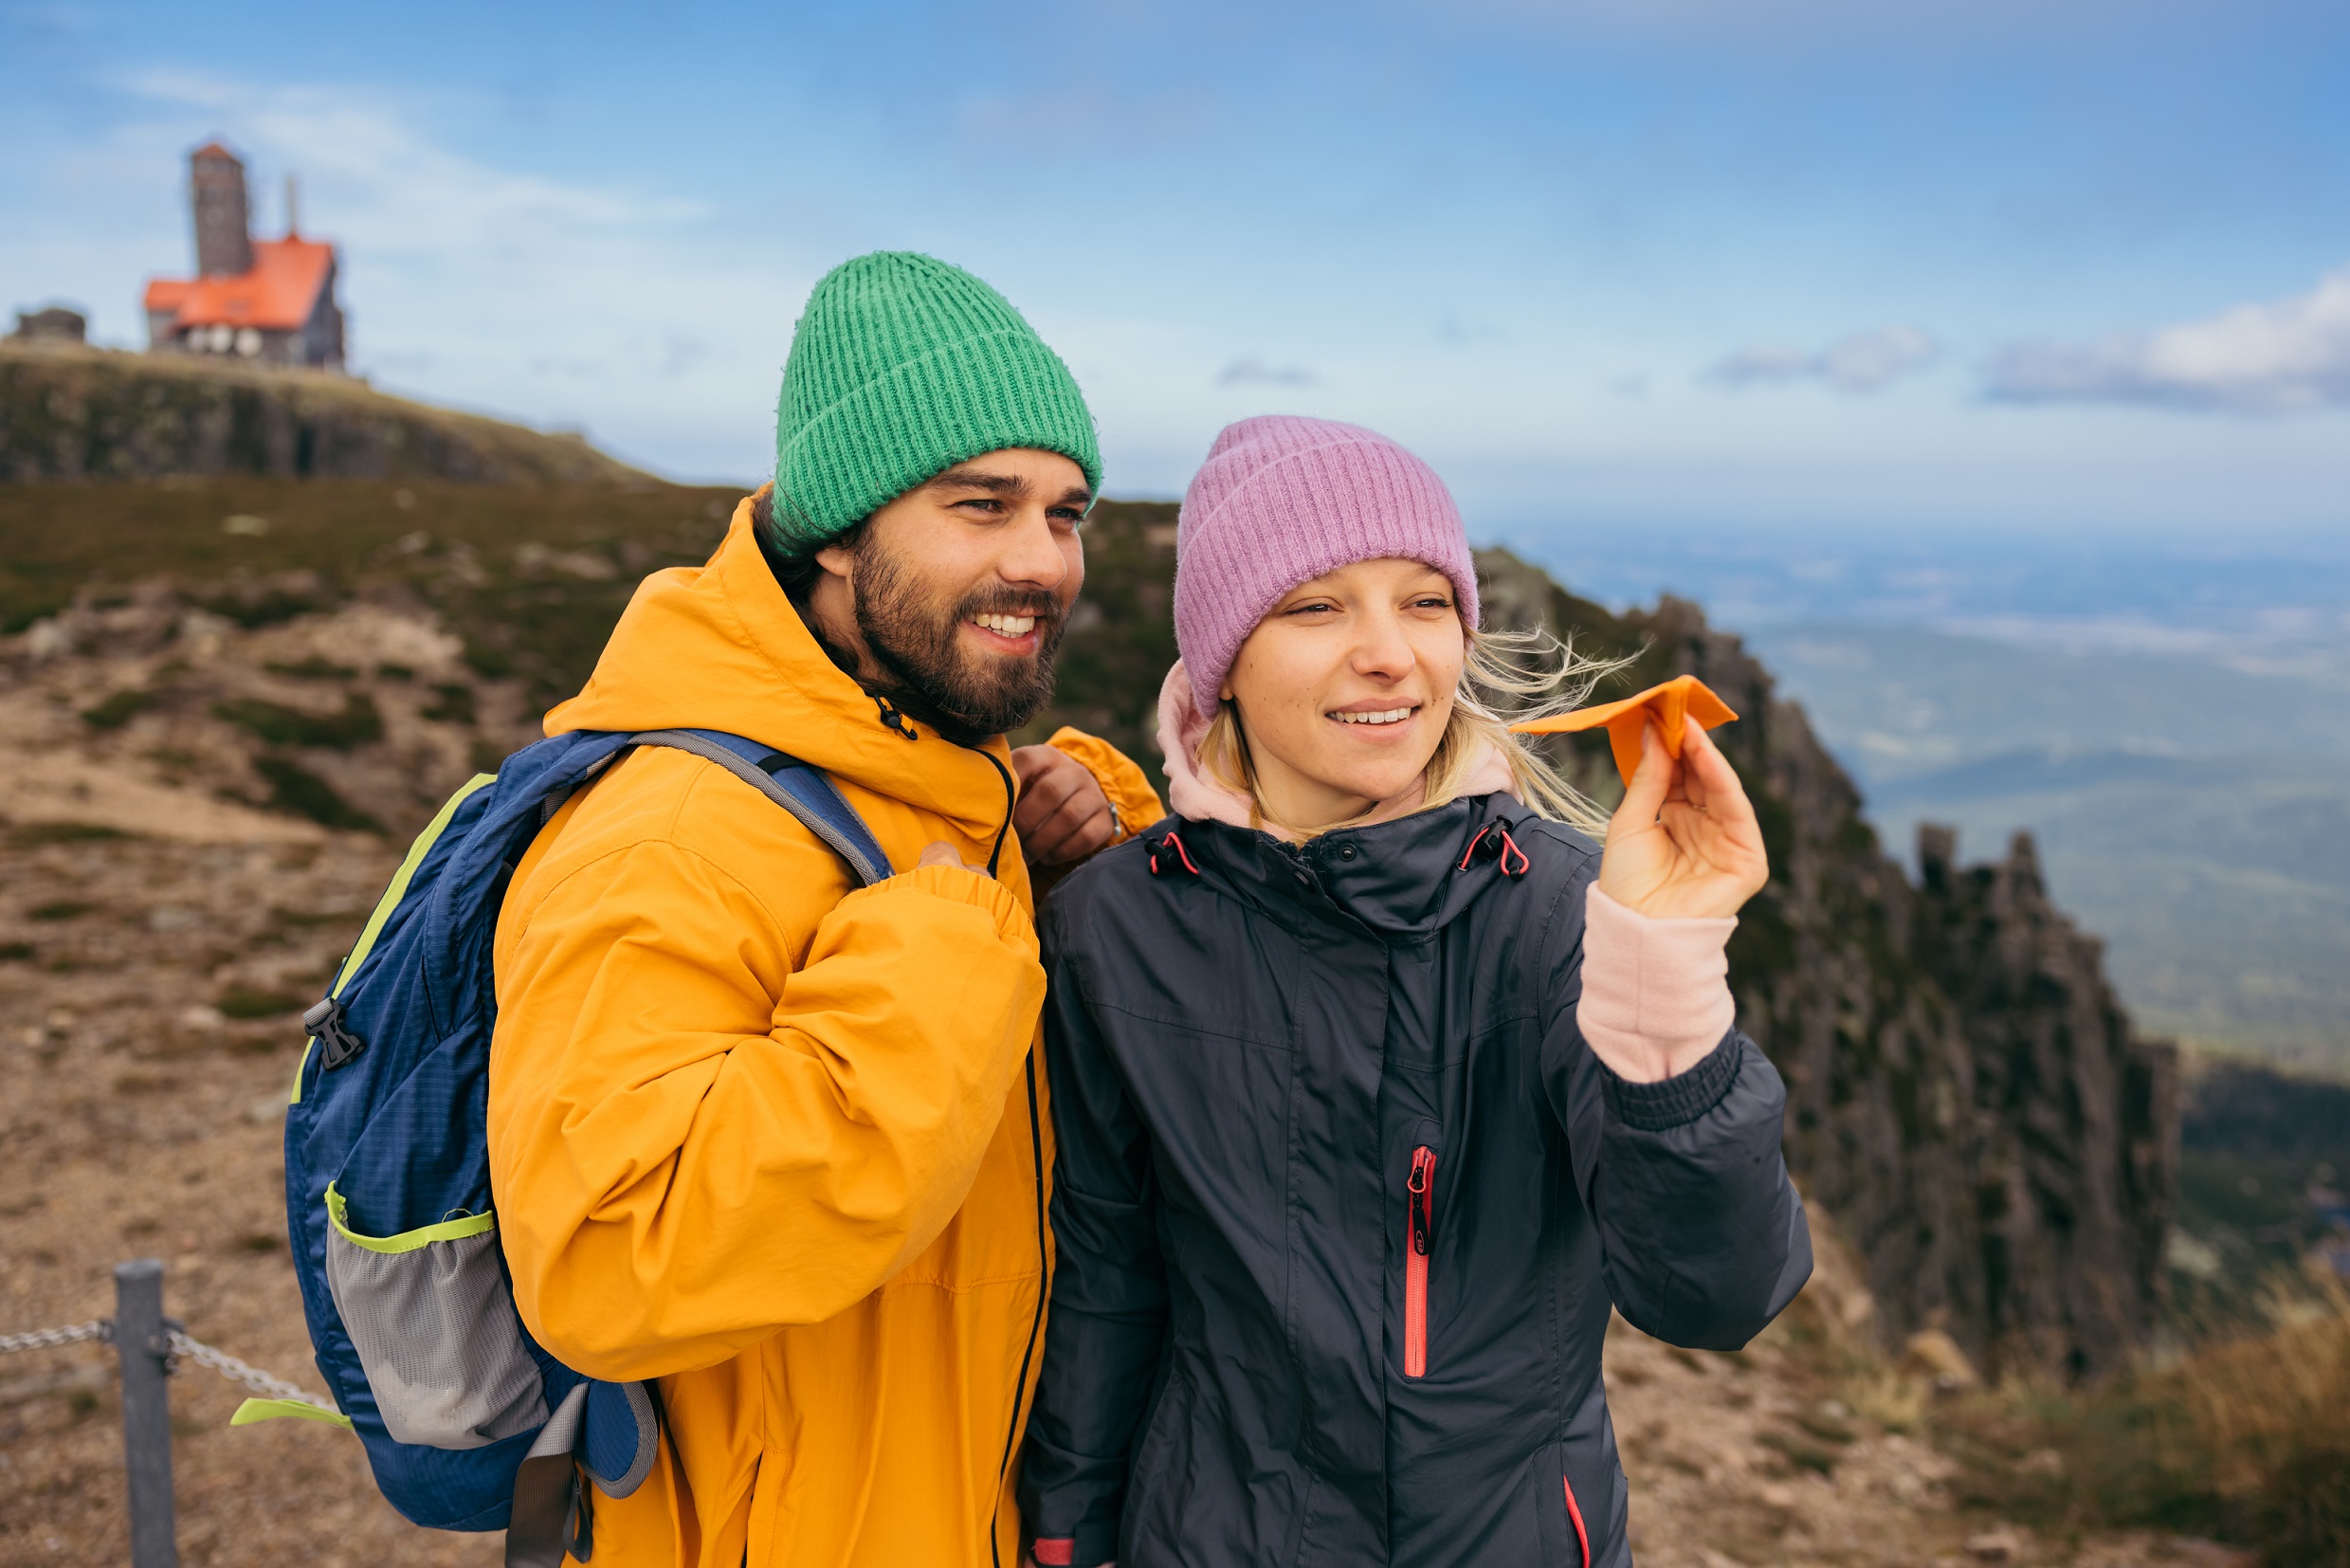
pixel 1044 1291
pixel 1044 1255
pixel 1420 1225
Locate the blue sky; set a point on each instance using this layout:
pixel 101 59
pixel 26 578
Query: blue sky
pixel 1950 267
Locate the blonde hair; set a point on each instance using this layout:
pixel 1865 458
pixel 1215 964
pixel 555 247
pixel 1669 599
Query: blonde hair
pixel 1508 678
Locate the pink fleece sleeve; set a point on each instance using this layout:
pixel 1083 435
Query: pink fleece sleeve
pixel 1656 992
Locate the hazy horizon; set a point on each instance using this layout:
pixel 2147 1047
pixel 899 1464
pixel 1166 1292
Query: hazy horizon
pixel 1802 264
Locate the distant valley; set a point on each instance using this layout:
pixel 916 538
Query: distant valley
pixel 2172 724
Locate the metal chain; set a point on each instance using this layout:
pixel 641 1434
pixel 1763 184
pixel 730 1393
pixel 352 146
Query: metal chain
pixel 197 1350
pixel 251 1376
pixel 43 1339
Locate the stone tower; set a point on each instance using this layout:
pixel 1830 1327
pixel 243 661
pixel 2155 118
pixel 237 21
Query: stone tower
pixel 224 219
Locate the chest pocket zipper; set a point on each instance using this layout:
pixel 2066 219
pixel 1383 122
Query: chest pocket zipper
pixel 1420 1228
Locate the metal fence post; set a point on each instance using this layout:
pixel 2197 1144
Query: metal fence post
pixel 141 1343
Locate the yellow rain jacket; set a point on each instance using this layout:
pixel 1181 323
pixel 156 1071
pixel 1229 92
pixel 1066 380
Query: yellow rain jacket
pixel 778 1145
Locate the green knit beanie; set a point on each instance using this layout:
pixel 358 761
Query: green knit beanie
pixel 900 368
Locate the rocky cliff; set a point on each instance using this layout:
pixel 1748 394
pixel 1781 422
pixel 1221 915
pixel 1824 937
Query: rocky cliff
pixel 67 412
pixel 1965 1094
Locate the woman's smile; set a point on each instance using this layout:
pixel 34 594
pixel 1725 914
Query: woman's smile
pixel 1388 715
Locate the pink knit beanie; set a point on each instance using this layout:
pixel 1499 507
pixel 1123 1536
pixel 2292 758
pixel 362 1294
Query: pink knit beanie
pixel 1283 500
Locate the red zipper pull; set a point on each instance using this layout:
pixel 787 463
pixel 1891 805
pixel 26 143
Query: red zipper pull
pixel 1420 1226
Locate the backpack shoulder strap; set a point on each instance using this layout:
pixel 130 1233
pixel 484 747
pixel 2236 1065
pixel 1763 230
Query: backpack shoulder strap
pixel 799 788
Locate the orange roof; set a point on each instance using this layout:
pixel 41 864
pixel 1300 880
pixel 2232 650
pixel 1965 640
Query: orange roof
pixel 278 294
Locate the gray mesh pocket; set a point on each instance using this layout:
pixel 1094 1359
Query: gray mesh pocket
pixel 429 1314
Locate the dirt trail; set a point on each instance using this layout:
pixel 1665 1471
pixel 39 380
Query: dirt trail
pixel 164 914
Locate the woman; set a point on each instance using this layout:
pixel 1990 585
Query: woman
pixel 1375 1082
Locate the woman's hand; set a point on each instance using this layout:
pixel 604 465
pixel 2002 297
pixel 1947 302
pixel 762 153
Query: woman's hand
pixel 1685 845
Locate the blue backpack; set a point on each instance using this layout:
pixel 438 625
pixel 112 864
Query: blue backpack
pixel 468 1423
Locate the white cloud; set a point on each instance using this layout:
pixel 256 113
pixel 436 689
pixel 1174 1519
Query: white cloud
pixel 1256 372
pixel 2268 357
pixel 1862 362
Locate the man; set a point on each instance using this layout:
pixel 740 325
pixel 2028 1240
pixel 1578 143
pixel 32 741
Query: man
pixel 772 1141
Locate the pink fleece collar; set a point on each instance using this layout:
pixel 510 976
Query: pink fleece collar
pixel 1195 796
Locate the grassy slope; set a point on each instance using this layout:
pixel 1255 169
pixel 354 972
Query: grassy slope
pixel 531 577
pixel 73 413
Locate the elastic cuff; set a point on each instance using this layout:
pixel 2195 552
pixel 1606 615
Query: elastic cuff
pixel 1677 1101
pixel 955 884
pixel 1134 805
pixel 1058 1553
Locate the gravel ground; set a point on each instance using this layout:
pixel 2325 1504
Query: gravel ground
pixel 141 1121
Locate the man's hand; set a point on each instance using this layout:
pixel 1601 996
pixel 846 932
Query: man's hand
pixel 1063 815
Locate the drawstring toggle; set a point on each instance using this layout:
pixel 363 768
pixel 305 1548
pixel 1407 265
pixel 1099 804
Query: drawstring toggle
pixel 1169 844
pixel 1494 841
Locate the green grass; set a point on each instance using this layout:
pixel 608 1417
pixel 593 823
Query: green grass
pixel 314 668
pixel 249 1002
pixel 118 709
pixel 295 791
pixel 356 725
pixel 453 702
pixel 27 835
pixel 2246 1439
pixel 451 548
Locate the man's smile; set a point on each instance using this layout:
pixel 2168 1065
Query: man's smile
pixel 1002 633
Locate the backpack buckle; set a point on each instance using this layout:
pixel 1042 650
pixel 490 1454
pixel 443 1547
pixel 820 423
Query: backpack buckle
pixel 337 1043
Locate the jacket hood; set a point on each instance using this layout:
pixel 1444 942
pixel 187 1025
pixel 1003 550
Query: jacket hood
pixel 720 647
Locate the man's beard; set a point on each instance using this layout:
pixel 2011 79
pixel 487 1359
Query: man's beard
pixel 966 696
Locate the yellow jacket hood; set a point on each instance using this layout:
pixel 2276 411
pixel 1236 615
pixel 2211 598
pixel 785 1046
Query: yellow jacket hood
pixel 720 647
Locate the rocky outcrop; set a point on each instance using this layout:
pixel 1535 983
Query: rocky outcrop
pixel 2075 1123
pixel 69 413
pixel 149 715
pixel 1965 1093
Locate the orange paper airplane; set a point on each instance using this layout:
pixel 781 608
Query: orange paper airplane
pixel 1667 706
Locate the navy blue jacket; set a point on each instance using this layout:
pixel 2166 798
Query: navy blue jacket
pixel 1343 1200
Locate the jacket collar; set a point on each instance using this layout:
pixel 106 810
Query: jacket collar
pixel 1398 881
